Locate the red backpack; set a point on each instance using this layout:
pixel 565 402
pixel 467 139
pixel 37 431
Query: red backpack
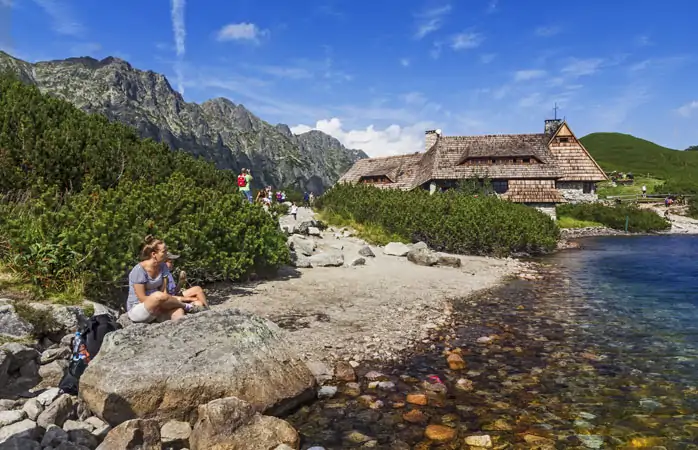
pixel 242 181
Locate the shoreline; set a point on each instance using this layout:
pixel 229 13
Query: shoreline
pixel 376 311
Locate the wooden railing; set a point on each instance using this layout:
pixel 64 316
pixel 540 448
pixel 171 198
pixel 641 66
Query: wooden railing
pixel 649 198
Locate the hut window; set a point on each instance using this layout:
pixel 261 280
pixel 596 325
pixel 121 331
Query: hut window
pixel 587 187
pixel 564 139
pixel 527 160
pixel 500 186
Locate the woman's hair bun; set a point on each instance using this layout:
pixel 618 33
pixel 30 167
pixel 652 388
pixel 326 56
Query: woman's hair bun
pixel 149 239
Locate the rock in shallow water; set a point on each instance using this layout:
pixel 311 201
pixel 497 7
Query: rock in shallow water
pixel 167 370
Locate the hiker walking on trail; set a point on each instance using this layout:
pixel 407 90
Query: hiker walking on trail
pixel 244 182
pixel 644 191
pixel 294 210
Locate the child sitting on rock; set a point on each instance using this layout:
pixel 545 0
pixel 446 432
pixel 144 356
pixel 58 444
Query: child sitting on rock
pixel 179 288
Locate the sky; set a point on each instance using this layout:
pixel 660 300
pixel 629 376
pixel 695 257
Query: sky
pixel 377 74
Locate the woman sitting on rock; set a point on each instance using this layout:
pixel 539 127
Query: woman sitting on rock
pixel 148 300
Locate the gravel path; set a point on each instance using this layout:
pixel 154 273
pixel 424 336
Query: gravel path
pixel 362 312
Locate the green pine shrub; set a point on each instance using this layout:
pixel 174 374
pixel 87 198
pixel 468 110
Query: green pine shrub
pixel 451 222
pixel 78 194
pixel 639 220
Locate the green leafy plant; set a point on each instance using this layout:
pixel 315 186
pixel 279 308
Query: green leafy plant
pixel 451 221
pixel 639 220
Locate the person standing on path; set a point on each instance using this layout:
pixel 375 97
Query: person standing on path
pixel 294 210
pixel 644 191
pixel 244 182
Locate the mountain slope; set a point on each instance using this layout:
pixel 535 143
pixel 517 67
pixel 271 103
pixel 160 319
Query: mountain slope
pixel 218 130
pixel 627 153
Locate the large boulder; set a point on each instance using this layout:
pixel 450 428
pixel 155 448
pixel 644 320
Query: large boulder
pixel 166 370
pixel 11 325
pixel 396 249
pixel 423 257
pixel 232 424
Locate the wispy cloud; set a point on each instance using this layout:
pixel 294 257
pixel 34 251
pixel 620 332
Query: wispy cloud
pixel 688 109
pixel 405 62
pixel 466 40
pixel 580 67
pixel 430 20
pixel 285 72
pixel 63 21
pixel 180 35
pixel 492 6
pixel 547 31
pixel 525 75
pixel 487 58
pixel 6 3
pixel 615 111
pixel 243 31
pixel 643 40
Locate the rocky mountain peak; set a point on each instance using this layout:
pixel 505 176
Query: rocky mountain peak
pixel 219 130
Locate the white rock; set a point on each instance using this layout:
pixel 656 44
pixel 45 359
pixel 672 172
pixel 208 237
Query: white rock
pixel 10 417
pixel 48 396
pixel 23 429
pixel 396 249
pixel 33 408
pixel 479 441
pixel 70 425
pixel 313 231
pixel 327 392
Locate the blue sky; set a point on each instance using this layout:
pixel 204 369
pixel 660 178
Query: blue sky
pixel 377 74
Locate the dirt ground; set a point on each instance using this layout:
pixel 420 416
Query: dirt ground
pixel 364 312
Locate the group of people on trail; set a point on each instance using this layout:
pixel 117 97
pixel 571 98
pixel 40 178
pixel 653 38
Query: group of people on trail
pixel 153 294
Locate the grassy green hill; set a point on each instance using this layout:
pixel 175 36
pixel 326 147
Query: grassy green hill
pixel 627 153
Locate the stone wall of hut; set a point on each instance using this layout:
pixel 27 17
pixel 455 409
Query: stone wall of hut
pixel 573 191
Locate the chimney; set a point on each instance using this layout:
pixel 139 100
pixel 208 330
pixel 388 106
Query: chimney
pixel 430 138
pixel 551 125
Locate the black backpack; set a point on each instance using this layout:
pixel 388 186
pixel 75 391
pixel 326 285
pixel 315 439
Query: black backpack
pixel 86 344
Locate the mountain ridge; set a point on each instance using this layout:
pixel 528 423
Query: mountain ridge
pixel 217 129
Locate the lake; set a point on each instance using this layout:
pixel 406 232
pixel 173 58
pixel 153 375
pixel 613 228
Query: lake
pixel 600 353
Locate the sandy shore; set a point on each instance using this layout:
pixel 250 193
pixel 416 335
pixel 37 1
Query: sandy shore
pixel 374 311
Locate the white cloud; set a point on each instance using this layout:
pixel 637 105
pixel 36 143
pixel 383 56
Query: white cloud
pixel 687 109
pixel 525 75
pixel 6 3
pixel 547 31
pixel 392 140
pixel 289 73
pixel 405 62
pixel 643 40
pixel 581 67
pixel 62 18
pixel 530 100
pixel 180 34
pixel 462 41
pixel 430 20
pixel 241 32
pixel 492 6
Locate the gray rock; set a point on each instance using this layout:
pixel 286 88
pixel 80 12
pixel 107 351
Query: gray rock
pixel 133 434
pixel 30 369
pixel 53 436
pixel 10 417
pixel 25 429
pixel 366 251
pixel 101 432
pixel 48 396
pixel 420 246
pixel 67 445
pixel 166 370
pixel 70 425
pixel 313 231
pixel 327 392
pixel 301 245
pixel 33 408
pixel 84 438
pixel 20 444
pixel 300 261
pixel 5 363
pixel 331 258
pixel 450 261
pixel 57 412
pixel 67 340
pixel 21 354
pixel 10 323
pixel 302 228
pixel 360 261
pixel 52 372
pixel 52 354
pixel 124 321
pixel 423 257
pixel 396 249
pixel 175 434
pixel 6 404
pixel 320 371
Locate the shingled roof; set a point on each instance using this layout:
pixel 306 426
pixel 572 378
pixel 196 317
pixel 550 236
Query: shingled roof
pixel 448 157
